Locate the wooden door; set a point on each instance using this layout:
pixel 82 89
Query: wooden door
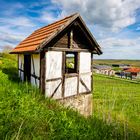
pixel 27 68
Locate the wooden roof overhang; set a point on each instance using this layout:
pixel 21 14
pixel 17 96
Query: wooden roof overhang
pixel 43 38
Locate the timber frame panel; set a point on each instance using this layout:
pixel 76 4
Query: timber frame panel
pixel 69 35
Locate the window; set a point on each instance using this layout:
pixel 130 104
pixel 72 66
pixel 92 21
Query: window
pixel 71 62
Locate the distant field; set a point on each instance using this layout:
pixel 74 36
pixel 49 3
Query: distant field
pixel 135 63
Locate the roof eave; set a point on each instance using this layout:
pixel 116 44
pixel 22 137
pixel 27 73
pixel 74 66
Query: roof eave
pixel 42 45
pixel 99 52
pixel 95 45
pixel 23 52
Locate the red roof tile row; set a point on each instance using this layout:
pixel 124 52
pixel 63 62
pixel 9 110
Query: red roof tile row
pixel 133 70
pixel 32 42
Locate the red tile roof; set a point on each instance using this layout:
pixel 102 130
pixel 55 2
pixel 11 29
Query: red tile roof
pixel 32 42
pixel 133 70
pixel 42 36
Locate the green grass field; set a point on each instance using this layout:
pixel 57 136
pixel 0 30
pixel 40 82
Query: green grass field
pixel 117 100
pixel 25 114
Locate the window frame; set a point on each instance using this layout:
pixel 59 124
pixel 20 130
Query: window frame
pixel 75 70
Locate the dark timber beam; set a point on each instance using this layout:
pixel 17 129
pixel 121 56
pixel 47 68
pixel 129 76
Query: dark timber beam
pixel 66 49
pixel 78 71
pixel 42 71
pixel 71 38
pixel 91 73
pixel 63 73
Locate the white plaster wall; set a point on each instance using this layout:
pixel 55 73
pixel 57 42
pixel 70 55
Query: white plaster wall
pixel 85 62
pixel 138 75
pixel 21 66
pixel 70 86
pixel 33 82
pixel 53 64
pixel 35 58
pixel 51 87
pixel 87 80
pixel 85 71
pixel 21 75
pixel 21 61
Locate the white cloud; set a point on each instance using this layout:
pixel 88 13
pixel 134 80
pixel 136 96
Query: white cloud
pixel 117 42
pixel 107 19
pixel 12 8
pixel 104 17
pixel 138 28
pixel 48 17
pixel 10 38
pixel 118 48
pixel 14 26
pixel 16 21
pixel 14 30
pixel 112 14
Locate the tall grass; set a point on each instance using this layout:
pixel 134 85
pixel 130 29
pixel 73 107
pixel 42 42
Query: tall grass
pixel 26 114
pixel 118 102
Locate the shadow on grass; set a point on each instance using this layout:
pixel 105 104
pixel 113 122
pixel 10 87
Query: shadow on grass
pixel 12 74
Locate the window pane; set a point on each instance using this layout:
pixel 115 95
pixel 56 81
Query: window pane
pixel 71 62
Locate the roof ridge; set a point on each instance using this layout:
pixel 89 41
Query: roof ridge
pixel 57 30
pixel 58 21
pixel 72 15
pixel 42 36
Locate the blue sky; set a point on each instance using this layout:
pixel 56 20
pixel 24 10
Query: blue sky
pixel 114 23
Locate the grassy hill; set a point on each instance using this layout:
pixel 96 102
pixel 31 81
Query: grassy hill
pixel 26 114
pixel 135 63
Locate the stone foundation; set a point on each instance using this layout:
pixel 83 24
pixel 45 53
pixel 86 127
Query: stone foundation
pixel 82 103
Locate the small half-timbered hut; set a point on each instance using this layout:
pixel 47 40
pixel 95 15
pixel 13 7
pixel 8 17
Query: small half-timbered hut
pixel 57 58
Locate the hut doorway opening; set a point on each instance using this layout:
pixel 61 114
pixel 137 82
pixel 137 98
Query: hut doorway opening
pixel 27 68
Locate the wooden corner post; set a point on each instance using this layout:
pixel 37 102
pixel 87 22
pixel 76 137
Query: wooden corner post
pixel 63 73
pixel 91 73
pixel 42 71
